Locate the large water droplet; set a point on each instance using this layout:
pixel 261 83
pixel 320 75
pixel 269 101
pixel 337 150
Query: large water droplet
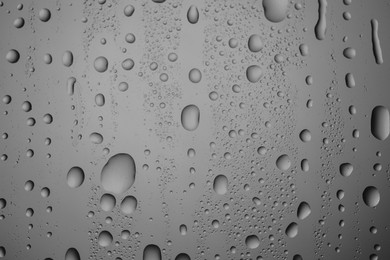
pixel 195 75
pixel 12 56
pixel 96 138
pixel 190 117
pixel 221 184
pixel 107 202
pixel 118 174
pixel 346 169
pixel 72 254
pixel 254 73
pixel 255 43
pixel 105 238
pixel 292 230
pixel 44 15
pixel 193 14
pixel 304 210
pixel 75 177
pixel 67 58
pixel 252 241
pixel 152 252
pixel 275 10
pixel 101 64
pixel 128 205
pixel 182 256
pixel 380 122
pixel 283 162
pixel 371 196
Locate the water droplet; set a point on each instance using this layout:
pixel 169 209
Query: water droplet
pixel 254 73
pixel 96 138
pixel 107 202
pixel 67 58
pixel 292 230
pixel 193 14
pixel 152 252
pixel 128 205
pixel 320 28
pixel 44 15
pixel 99 100
pixel 195 75
pixel 182 256
pixel 75 177
pixel 118 174
pixel 12 56
pixel 2 251
pixel 275 10
pixel 346 169
pixel 130 38
pixel 128 10
pixel 255 43
pixel 380 122
pixel 105 238
pixel 350 80
pixel 3 203
pixel 19 22
pixel 349 53
pixel 72 254
pixel 220 185
pixel 376 45
pixel 183 229
pixel 371 196
pixel 123 86
pixel 29 186
pixel 283 162
pixel 252 241
pixel 190 117
pixel 305 135
pixel 304 210
pixel 101 64
pixel 128 64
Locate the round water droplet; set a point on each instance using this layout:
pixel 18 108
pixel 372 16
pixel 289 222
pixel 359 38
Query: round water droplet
pixel 107 202
pixel 380 122
pixel 72 254
pixel 19 22
pixel 130 38
pixel 128 10
pixel 220 185
pixel 371 196
pixel 195 75
pixel 67 58
pixel 349 53
pixel 128 205
pixel 75 177
pixel 190 117
pixel 151 252
pixel 12 56
pixel 29 185
pixel 44 15
pixel 101 64
pixel 283 162
pixel 292 230
pixel 253 73
pixel 193 14
pixel 252 241
pixel 255 43
pixel 304 210
pixel 118 174
pixel 350 80
pixel 128 64
pixel 105 239
pixel 346 169
pixel 275 10
pixel 305 135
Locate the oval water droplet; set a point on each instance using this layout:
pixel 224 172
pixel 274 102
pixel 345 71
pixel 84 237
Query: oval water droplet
pixel 304 210
pixel 371 196
pixel 292 230
pixel 193 14
pixel 12 56
pixel 346 169
pixel 100 64
pixel 350 80
pixel 107 202
pixel 118 174
pixel 96 138
pixel 275 10
pixel 283 162
pixel 75 177
pixel 67 58
pixel 305 135
pixel 44 15
pixel 183 229
pixel 190 117
pixel 152 252
pixel 380 122
pixel 128 204
pixel 182 256
pixel 254 73
pixel 72 254
pixel 220 185
pixel 195 75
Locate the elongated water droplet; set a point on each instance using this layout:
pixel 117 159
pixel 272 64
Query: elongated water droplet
pixel 376 45
pixel 193 14
pixel 220 185
pixel 380 122
pixel 70 85
pixel 67 58
pixel 292 230
pixel 304 210
pixel 320 28
pixel 350 80
pixel 190 117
